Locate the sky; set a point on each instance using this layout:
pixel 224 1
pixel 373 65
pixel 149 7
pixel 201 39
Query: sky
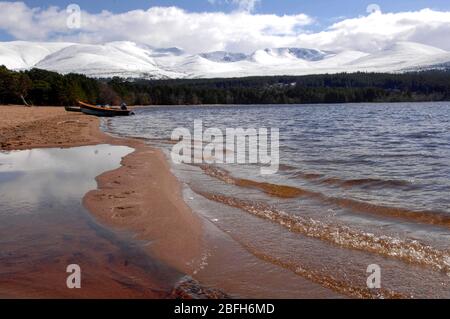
pixel 231 25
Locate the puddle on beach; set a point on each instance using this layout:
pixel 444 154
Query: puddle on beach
pixel 44 228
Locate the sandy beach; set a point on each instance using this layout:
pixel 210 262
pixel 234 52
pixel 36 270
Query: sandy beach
pixel 147 228
pixel 142 196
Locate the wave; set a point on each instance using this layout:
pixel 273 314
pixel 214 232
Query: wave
pixel 308 176
pixel 327 281
pixel 423 134
pixel 286 168
pixel 436 218
pixel 365 182
pixel 158 140
pixel 348 183
pixel 411 251
pixel 281 191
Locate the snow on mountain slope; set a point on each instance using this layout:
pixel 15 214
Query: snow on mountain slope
pixel 299 53
pixel 23 55
pixel 196 66
pixel 339 60
pixel 124 59
pixel 130 60
pixel 223 56
pixel 269 57
pixel 403 55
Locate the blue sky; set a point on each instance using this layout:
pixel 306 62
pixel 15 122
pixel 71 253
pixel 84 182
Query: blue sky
pixel 207 25
pixel 323 10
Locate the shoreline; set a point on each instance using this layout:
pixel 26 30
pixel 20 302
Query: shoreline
pixel 212 231
pixel 145 199
pixel 142 196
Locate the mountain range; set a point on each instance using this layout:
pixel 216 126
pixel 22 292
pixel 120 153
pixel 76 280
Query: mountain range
pixel 131 60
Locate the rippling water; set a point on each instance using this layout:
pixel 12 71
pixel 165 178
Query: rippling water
pixel 358 184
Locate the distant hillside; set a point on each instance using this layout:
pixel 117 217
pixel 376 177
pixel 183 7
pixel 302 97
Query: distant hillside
pixel 40 87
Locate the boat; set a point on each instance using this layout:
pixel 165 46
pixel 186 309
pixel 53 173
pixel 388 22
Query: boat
pixel 103 111
pixel 73 109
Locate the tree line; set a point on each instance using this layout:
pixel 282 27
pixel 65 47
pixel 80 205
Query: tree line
pixel 40 87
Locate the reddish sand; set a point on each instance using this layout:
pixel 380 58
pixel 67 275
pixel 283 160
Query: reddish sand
pixel 37 127
pixel 142 195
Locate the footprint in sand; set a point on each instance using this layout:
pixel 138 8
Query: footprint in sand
pixel 121 212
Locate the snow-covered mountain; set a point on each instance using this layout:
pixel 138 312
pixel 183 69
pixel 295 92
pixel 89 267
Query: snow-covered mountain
pixel 124 59
pixel 223 56
pixel 130 60
pixel 24 55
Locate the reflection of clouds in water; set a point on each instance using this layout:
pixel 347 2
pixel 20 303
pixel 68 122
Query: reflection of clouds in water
pixel 9 176
pixel 53 175
pixel 67 160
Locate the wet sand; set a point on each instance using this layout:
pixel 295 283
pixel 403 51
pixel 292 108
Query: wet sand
pixel 142 195
pixel 145 180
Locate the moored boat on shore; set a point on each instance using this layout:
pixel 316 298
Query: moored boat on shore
pixel 102 111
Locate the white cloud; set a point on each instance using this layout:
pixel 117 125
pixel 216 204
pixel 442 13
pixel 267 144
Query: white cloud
pixel 157 26
pixel 23 22
pixel 239 30
pixel 378 30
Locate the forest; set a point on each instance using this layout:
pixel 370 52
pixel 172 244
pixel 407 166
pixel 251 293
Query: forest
pixel 40 87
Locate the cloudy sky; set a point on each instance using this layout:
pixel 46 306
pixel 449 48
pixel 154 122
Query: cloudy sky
pixel 232 25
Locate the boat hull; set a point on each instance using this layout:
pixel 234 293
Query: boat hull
pixel 105 113
pixel 102 111
pixel 73 109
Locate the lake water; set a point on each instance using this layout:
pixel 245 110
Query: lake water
pixel 358 184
